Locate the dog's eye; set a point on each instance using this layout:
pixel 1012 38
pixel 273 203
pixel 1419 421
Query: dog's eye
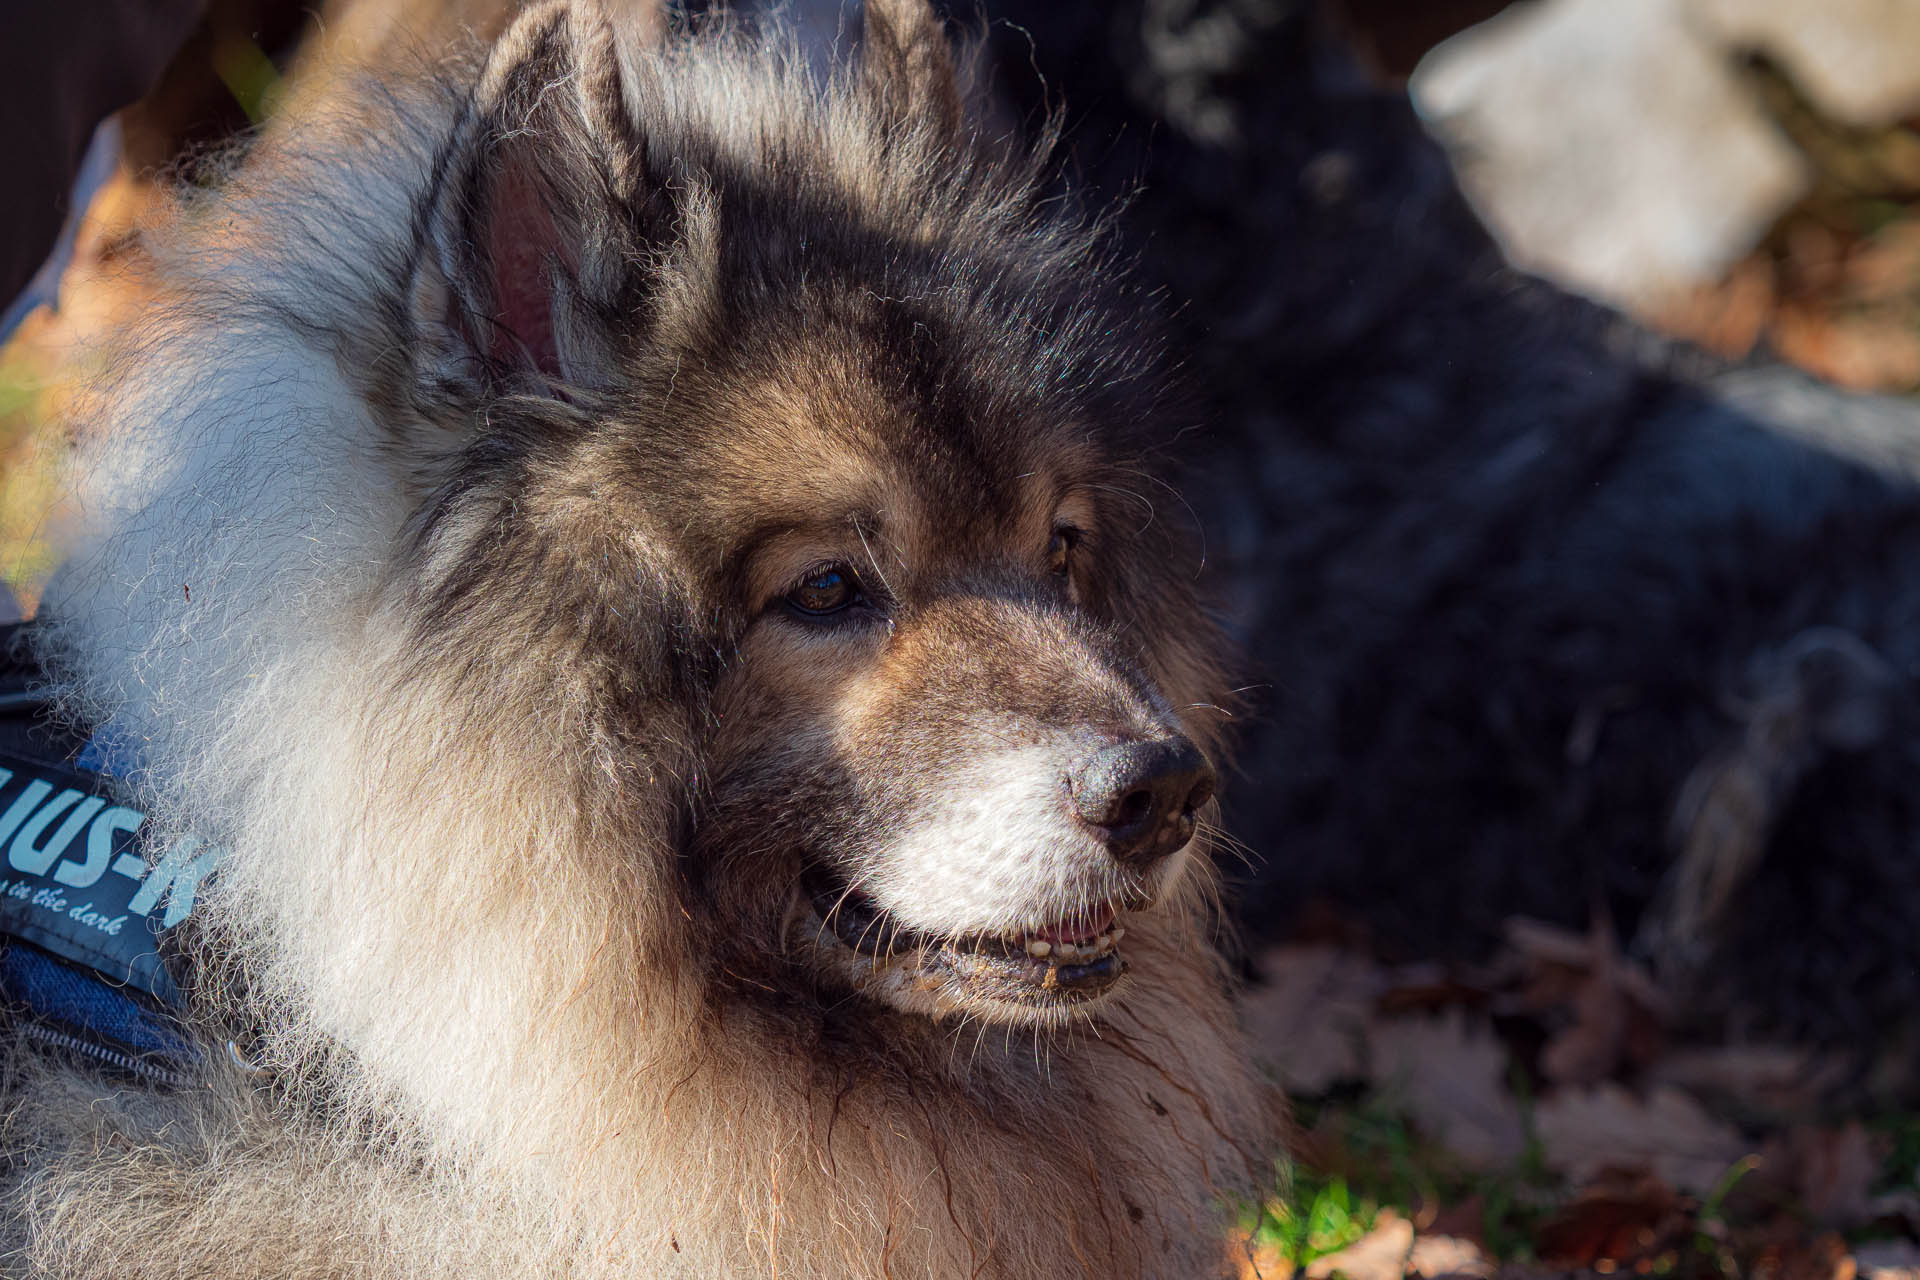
pixel 1060 550
pixel 827 591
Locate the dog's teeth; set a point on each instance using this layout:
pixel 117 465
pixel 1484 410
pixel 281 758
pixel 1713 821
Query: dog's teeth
pixel 1064 952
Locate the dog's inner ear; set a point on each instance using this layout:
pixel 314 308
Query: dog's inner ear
pixel 525 261
pixel 534 226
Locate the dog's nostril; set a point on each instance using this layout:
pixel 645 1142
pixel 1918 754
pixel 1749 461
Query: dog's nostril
pixel 1141 796
pixel 1132 809
pixel 1201 793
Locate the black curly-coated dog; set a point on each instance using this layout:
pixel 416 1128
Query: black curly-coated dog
pixel 1544 615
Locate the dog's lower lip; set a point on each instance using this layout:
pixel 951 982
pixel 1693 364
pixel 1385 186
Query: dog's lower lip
pixel 1075 955
pixel 1084 975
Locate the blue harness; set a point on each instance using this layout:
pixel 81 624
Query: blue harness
pixel 85 908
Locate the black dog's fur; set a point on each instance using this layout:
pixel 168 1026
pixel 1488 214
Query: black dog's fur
pixel 1510 572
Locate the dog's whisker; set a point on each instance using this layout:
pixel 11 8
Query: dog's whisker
pixel 872 560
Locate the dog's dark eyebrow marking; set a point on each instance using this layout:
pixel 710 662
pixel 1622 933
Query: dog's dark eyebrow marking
pixel 864 521
pixel 733 568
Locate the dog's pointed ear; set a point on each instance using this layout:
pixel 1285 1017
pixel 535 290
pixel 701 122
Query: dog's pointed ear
pixel 906 64
pixel 540 203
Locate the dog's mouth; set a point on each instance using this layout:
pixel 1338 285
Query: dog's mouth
pixel 1068 961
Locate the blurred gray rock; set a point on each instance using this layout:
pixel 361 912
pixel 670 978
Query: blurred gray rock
pixel 1609 144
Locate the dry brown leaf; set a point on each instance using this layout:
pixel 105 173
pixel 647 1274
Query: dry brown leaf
pixel 1815 254
pixel 1604 1016
pixel 1833 1172
pixel 1782 1080
pixel 1429 987
pixel 1263 1262
pixel 1584 1132
pixel 1466 1220
pixel 1588 1051
pixel 1542 948
pixel 1886 268
pixel 1621 1218
pixel 1544 943
pixel 1824 1257
pixel 1862 354
pixel 1451 1076
pixel 1308 1016
pixel 1381 1254
pixel 1435 1256
pixel 1726 317
pixel 1615 1009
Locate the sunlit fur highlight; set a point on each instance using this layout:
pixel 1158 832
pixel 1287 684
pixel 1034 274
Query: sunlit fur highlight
pixel 474 1030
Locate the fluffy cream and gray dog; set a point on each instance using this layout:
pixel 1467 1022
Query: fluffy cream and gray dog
pixel 643 556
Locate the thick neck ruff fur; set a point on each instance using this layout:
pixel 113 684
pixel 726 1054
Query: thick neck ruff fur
pixel 503 1008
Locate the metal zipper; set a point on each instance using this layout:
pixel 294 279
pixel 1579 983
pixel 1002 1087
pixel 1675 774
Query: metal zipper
pixel 145 1068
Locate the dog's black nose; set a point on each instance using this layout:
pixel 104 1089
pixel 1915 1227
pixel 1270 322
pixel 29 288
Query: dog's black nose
pixel 1142 796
